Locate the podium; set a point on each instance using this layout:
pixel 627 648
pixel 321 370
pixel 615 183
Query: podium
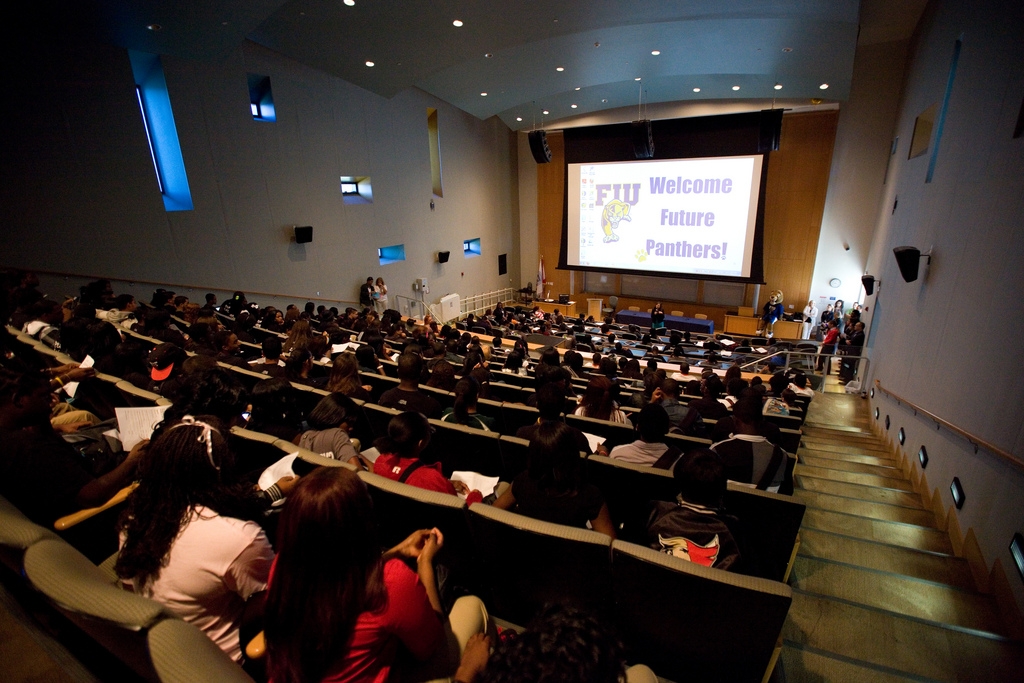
pixel 450 309
pixel 594 307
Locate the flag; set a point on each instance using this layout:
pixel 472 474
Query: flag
pixel 540 279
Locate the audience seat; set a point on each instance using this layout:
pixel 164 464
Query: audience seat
pixel 401 509
pixel 17 534
pixel 140 398
pixel 515 455
pixel 613 433
pixel 516 415
pixel 771 521
pixel 378 418
pixel 509 393
pixel 491 408
pixel 693 623
pixel 100 395
pixel 529 563
pixel 249 378
pixel 378 383
pixel 461 448
pixel 628 489
pixel 445 398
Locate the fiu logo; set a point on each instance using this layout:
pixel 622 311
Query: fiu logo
pixel 617 209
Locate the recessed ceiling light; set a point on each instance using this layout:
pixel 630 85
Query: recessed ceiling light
pixel 559 68
pixel 369 63
pixel 488 55
pixel 483 94
pixel 787 49
pixel 573 106
pixel 637 78
pixel 778 86
pixel 597 44
pixel 735 87
pixel 823 86
pixel 519 118
pixel 604 101
pixel 350 3
pixel 154 27
pixel 577 88
pixel 457 22
pixel 696 90
pixel 546 111
pixel 655 52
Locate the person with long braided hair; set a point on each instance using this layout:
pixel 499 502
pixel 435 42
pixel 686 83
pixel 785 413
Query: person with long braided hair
pixel 188 537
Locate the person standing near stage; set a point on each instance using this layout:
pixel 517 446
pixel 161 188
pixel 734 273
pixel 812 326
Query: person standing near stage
pixel 810 313
pixel 366 293
pixel 657 317
pixel 380 303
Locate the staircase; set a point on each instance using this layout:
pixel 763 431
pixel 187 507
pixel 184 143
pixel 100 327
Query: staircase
pixel 878 594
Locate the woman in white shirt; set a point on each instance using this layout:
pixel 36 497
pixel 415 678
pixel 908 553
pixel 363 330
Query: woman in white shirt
pixel 810 313
pixel 598 402
pixel 380 302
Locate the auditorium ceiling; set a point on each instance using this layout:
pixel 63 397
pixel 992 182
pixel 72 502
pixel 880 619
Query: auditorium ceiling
pixel 567 57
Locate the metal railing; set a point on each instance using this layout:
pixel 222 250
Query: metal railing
pixel 973 439
pixel 808 362
pixel 414 308
pixel 479 303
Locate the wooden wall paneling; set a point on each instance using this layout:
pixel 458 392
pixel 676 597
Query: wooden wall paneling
pixel 550 200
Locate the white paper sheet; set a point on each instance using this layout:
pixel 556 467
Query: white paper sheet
pixel 475 481
pixel 72 387
pixel 274 473
pixel 594 441
pixel 136 424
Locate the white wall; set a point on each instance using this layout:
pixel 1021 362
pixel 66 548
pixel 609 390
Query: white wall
pixel 858 171
pixel 80 193
pixel 949 341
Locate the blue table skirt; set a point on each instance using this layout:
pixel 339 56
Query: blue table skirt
pixel 672 322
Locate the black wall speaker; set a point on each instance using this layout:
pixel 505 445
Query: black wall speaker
pixel 869 284
pixel 643 139
pixel 303 234
pixel 442 256
pixel 770 130
pixel 909 260
pixel 539 146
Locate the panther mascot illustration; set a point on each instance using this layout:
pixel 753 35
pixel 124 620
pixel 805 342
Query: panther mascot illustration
pixel 614 213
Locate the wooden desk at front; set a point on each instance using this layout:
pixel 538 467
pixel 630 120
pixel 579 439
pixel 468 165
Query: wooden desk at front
pixel 747 327
pixel 550 306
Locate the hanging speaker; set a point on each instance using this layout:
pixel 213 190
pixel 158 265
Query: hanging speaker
pixel 909 260
pixel 869 284
pixel 643 139
pixel 539 146
pixel 303 234
pixel 442 256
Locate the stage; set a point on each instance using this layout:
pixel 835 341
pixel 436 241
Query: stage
pixel 672 322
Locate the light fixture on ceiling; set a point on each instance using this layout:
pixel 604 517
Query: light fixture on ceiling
pixel 483 94
pixel 350 3
pixel 787 49
pixel 545 112
pixel 735 87
pixel 154 27
pixel 696 90
pixel 369 63
pixel 559 68
pixel 573 106
pixel 488 55
pixel 457 22
pixel 637 78
pixel 655 52
pixel 778 86
pixel 597 44
pixel 823 86
pixel 604 101
pixel 519 118
pixel 577 87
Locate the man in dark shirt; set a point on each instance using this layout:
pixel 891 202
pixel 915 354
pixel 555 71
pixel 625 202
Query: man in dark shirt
pixel 750 458
pixel 40 473
pixel 407 395
pixel 366 294
pixel 228 345
pixel 271 363
pixel 852 346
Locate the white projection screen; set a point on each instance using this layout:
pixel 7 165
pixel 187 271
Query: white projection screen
pixel 683 217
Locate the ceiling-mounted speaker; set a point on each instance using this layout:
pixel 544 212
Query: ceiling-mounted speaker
pixel 770 130
pixel 909 261
pixel 303 234
pixel 643 139
pixel 869 284
pixel 442 256
pixel 539 146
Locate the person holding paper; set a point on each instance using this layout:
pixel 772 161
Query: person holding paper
pixel 400 458
pixel 40 473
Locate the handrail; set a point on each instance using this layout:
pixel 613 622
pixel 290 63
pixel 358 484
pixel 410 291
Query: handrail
pixel 134 281
pixel 974 440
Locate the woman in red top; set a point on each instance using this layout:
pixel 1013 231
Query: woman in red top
pixel 828 345
pixel 340 610
pixel 400 458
